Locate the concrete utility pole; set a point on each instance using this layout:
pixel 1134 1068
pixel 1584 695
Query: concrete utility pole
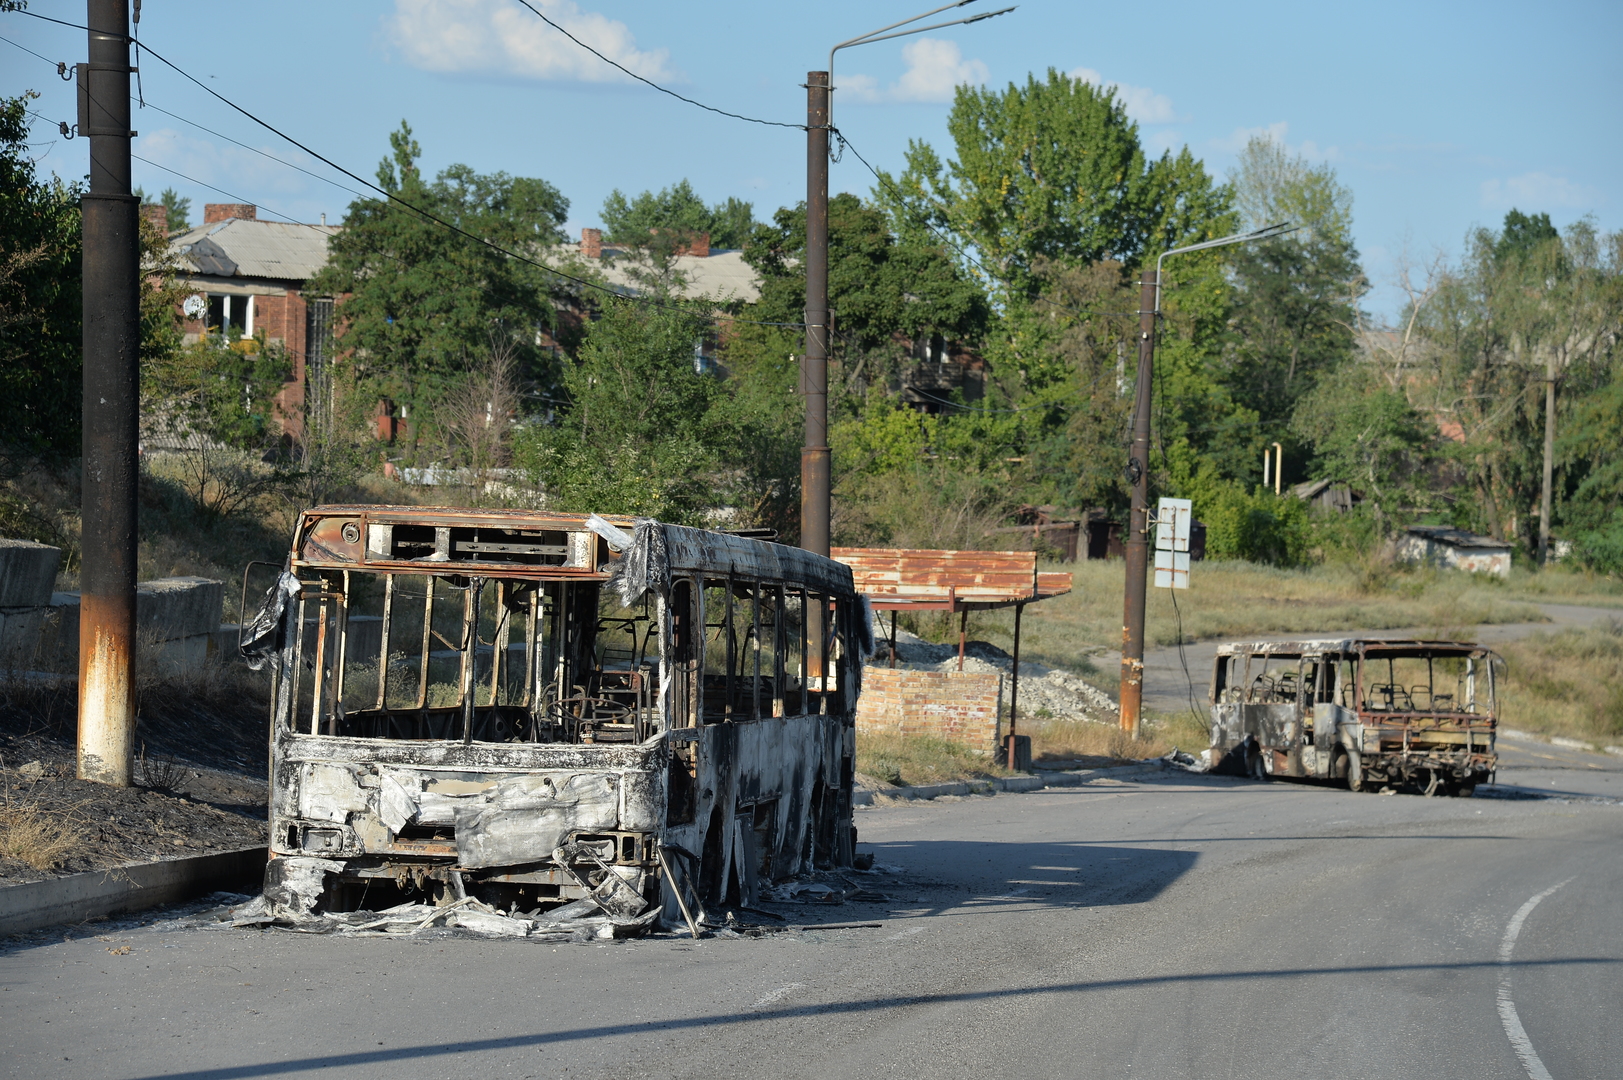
pixel 1137 541
pixel 1548 474
pixel 814 453
pixel 112 343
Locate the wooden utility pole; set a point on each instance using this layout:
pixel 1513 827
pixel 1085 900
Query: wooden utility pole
pixel 1137 540
pixel 112 344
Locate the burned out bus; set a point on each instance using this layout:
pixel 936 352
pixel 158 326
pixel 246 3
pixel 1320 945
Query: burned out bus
pixel 523 706
pixel 1406 714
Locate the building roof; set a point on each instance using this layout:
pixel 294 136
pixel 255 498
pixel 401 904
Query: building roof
pixel 722 275
pixel 238 247
pixel 1447 534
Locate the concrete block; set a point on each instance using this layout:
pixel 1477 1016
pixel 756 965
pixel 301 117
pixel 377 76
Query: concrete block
pixel 101 893
pixel 169 609
pixel 27 573
pixel 19 637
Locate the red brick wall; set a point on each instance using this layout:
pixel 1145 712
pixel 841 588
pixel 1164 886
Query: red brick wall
pixel 223 211
pixel 957 705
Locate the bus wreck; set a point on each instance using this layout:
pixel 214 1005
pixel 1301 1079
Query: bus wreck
pixel 1374 713
pixel 533 709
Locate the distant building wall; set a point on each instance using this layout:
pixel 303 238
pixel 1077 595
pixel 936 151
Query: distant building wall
pixel 961 706
pixel 1437 552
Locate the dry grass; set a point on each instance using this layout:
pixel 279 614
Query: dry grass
pixel 910 760
pixel 1235 599
pixel 1568 684
pixel 34 834
pixel 1088 744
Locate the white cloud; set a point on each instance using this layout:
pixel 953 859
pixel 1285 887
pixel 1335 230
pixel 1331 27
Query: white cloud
pixel 1236 141
pixel 1141 103
pixel 935 68
pixel 501 37
pixel 1276 132
pixel 1536 189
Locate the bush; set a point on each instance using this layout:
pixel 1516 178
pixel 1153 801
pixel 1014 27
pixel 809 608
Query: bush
pixel 1260 527
pixel 1601 549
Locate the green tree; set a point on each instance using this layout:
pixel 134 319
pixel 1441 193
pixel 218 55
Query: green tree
pixel 40 305
pixel 677 210
pixel 1051 170
pixel 1510 327
pixel 644 432
pixel 177 211
pixel 1295 303
pixel 1364 432
pixel 419 300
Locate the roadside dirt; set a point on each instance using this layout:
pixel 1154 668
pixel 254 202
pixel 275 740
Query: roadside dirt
pixel 200 788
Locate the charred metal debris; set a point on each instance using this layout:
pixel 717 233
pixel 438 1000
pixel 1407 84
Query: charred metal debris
pixel 528 723
pixel 1376 714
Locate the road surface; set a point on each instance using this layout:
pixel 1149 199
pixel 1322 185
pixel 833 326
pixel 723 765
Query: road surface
pixel 1182 926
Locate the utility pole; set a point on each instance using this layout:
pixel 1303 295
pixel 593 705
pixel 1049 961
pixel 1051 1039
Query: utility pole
pixel 1549 460
pixel 814 454
pixel 1137 543
pixel 112 343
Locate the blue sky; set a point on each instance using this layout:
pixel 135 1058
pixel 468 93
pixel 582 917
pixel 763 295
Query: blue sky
pixel 1439 117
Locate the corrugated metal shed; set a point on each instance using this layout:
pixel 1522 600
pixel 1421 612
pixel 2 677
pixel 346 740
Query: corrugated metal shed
pixel 255 249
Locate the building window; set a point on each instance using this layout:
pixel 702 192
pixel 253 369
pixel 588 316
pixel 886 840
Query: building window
pixel 226 312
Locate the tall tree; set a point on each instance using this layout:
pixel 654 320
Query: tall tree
pixel 677 209
pixel 421 301
pixel 1051 170
pixel 1295 305
pixel 40 353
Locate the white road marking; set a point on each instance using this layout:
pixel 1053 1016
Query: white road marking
pixel 1507 1008
pixel 773 995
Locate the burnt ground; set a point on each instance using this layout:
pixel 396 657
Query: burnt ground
pixel 200 788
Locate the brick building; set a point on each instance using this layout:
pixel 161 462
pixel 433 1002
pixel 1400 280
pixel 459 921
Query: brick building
pixel 250 275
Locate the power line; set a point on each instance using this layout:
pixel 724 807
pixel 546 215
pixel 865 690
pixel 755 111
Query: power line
pixel 650 82
pixel 391 197
pixel 27 50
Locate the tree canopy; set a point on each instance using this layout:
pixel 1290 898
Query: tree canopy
pixel 420 301
pixel 677 209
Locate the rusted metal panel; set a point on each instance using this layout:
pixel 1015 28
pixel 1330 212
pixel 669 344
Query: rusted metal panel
pixel 911 577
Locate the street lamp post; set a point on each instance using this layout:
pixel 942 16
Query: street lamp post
pixel 814 454
pixel 1138 474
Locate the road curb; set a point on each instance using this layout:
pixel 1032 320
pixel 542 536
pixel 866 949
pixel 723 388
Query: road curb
pixel 1014 784
pixel 101 893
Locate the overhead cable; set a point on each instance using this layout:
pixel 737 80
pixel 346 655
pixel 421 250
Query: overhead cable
pixel 428 215
pixel 650 82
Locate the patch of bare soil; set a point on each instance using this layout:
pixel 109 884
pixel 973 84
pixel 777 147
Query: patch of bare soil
pixel 199 786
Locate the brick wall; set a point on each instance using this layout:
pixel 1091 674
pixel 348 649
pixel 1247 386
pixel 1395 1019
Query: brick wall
pixel 225 211
pixel 957 705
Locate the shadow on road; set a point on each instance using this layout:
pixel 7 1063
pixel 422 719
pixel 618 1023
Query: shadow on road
pixel 648 1028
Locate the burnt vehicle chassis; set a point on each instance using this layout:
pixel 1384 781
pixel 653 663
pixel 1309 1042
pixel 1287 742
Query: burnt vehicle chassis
pixel 513 706
pixel 1406 714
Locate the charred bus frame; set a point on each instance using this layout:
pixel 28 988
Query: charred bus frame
pixel 520 705
pixel 1371 712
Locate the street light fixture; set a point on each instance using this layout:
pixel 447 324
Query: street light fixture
pixel 1138 474
pixel 814 454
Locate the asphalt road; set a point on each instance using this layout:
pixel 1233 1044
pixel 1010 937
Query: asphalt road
pixel 1182 926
